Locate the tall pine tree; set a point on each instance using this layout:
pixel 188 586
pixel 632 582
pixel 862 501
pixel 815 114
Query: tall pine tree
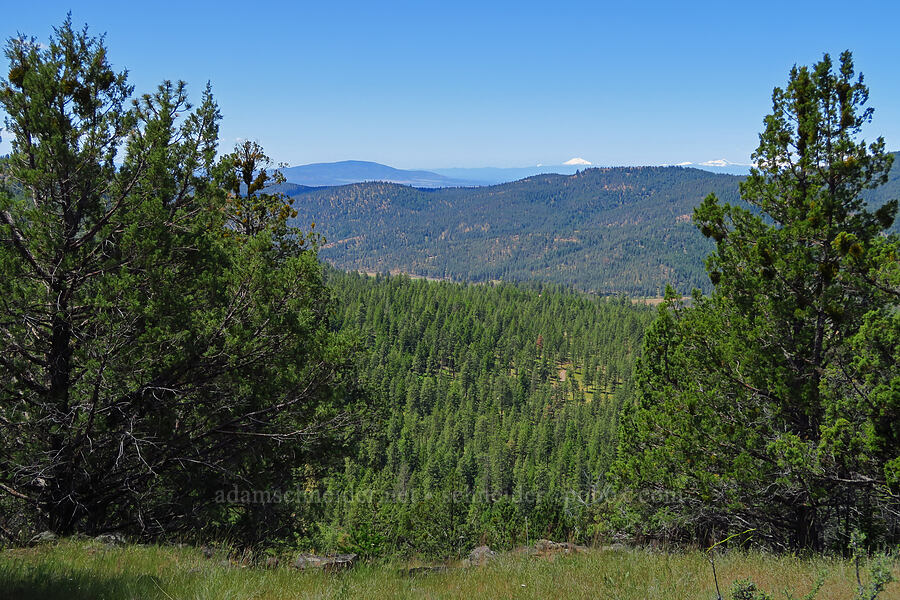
pixel 736 421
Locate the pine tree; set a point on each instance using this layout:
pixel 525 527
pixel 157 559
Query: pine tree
pixel 145 354
pixel 732 414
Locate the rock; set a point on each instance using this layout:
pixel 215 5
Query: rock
pixel 111 539
pixel 547 547
pixel 329 564
pixel 44 537
pixel 339 562
pixel 208 552
pixel 481 555
pixel 307 561
pixel 271 562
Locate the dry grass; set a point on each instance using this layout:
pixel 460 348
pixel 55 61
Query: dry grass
pixel 77 570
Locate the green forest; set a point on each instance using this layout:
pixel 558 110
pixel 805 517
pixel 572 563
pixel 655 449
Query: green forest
pixel 609 231
pixel 502 407
pixel 179 364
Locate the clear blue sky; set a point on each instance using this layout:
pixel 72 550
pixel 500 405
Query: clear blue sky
pixel 443 84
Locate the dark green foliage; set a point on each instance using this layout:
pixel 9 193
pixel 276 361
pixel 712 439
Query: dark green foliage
pixel 149 357
pixel 480 433
pixel 773 403
pixel 619 230
pixel 747 590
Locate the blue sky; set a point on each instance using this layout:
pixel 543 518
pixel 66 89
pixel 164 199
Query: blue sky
pixel 467 84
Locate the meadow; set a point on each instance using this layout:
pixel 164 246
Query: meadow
pixel 82 569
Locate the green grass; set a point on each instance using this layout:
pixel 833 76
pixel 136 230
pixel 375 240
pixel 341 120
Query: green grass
pixel 76 570
pixel 576 374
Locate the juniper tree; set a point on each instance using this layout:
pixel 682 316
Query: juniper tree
pixel 147 358
pixel 735 417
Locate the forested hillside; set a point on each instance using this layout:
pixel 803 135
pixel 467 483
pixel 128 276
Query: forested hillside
pixel 616 230
pixel 501 406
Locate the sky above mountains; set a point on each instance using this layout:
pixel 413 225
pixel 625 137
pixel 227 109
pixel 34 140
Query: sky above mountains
pixel 505 84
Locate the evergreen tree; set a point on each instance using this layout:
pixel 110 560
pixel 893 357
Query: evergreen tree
pixel 735 419
pixel 148 357
pixel 252 205
pixel 502 438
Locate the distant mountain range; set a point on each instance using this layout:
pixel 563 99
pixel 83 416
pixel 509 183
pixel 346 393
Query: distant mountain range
pixel 719 166
pixel 359 171
pixel 608 230
pixel 495 175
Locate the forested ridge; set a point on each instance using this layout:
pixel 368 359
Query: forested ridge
pixel 501 405
pixel 610 230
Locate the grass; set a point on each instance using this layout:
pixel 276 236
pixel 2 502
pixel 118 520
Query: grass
pixel 576 374
pixel 78 570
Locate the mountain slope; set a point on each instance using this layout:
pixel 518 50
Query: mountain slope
pixel 611 230
pixel 619 230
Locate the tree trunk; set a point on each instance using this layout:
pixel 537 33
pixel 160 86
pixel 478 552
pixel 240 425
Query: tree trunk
pixel 808 529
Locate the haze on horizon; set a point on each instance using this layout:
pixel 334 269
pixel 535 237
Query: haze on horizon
pixel 505 85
